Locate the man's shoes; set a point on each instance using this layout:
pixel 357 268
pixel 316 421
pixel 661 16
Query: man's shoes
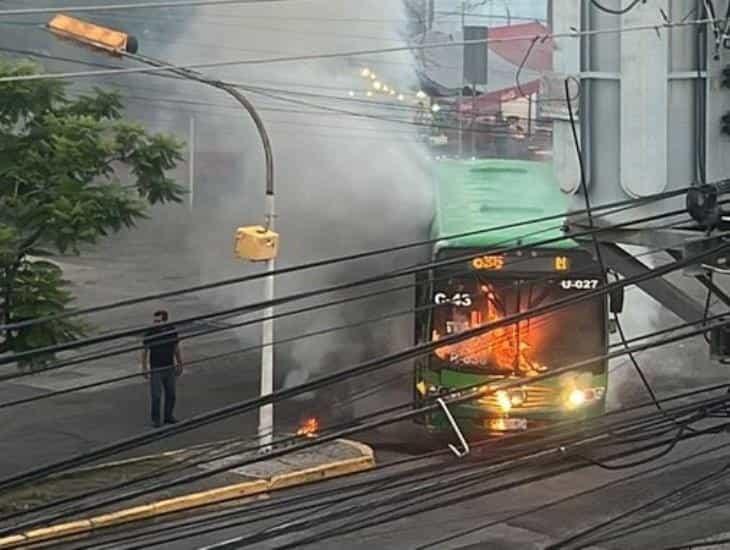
pixel 157 424
pixel 171 420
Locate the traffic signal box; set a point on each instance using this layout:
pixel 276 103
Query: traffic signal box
pixel 256 243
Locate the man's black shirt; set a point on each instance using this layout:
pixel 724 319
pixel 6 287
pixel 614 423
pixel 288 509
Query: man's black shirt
pixel 161 343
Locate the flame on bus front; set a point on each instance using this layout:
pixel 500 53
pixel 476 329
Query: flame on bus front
pixel 506 348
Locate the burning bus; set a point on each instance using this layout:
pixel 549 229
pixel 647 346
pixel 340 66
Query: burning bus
pixel 489 283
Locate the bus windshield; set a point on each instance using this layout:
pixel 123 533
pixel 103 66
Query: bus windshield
pixel 530 347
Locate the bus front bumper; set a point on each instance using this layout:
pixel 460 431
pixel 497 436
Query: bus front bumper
pixel 482 420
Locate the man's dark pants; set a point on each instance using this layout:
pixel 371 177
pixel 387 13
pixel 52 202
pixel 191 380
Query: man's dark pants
pixel 162 379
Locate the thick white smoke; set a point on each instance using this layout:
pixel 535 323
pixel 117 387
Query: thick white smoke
pixel 343 183
pixel 668 369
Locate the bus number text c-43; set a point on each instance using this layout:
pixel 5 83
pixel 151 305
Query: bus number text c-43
pixel 580 284
pixel 460 299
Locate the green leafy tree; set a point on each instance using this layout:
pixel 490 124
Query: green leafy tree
pixel 71 171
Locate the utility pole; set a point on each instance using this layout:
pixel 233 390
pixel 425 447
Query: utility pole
pixel 463 83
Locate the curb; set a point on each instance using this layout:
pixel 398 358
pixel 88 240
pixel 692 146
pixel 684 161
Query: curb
pixel 194 500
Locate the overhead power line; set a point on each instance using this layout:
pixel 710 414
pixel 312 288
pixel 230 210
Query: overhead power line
pixel 364 368
pixel 535 450
pixel 248 511
pixel 352 53
pixel 229 326
pixel 633 203
pixel 302 295
pixel 464 490
pixel 614 482
pixel 559 428
pixel 631 511
pixel 583 426
pixel 239 351
pixel 133 6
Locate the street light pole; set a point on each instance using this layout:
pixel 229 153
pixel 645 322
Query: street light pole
pixel 266 412
pixel 123 44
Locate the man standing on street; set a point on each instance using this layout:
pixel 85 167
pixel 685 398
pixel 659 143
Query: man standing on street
pixel 162 364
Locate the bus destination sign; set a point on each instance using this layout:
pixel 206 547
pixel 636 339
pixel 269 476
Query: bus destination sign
pixel 526 262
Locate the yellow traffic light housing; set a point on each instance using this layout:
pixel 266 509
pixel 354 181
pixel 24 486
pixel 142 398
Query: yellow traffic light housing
pixel 93 35
pixel 256 243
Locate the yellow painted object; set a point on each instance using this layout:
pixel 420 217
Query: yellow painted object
pixel 256 243
pixel 88 33
pixel 228 493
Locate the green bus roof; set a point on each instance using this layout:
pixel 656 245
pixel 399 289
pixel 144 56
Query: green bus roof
pixel 472 195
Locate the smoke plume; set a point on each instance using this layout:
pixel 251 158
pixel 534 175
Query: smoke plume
pixel 343 184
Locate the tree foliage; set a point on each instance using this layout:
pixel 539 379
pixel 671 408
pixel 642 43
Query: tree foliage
pixel 71 171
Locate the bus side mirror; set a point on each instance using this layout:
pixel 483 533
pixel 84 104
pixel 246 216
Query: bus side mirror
pixel 616 300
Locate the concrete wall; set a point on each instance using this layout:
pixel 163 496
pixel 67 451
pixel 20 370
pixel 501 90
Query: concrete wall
pixel 639 102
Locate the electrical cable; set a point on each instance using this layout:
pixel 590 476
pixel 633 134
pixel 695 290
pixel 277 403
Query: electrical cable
pixel 663 519
pixel 707 306
pixel 389 516
pixel 522 65
pixel 411 414
pixel 594 237
pixel 65 391
pixel 349 401
pixel 563 500
pixel 247 509
pixel 706 493
pixel 222 355
pixel 216 329
pixel 336 260
pixel 240 310
pixel 341 54
pixel 134 5
pixel 597 528
pixel 206 358
pixel 362 368
pixel 77 361
pixel 262 91
pixel 197 524
pixel 226 450
pixel 664 452
pixel 196 463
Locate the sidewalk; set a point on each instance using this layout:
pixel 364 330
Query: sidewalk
pixel 327 461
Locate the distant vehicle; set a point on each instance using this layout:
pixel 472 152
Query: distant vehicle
pixel 488 285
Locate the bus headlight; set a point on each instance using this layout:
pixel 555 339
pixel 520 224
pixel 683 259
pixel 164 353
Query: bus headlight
pixel 579 397
pixel 576 398
pixel 503 400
